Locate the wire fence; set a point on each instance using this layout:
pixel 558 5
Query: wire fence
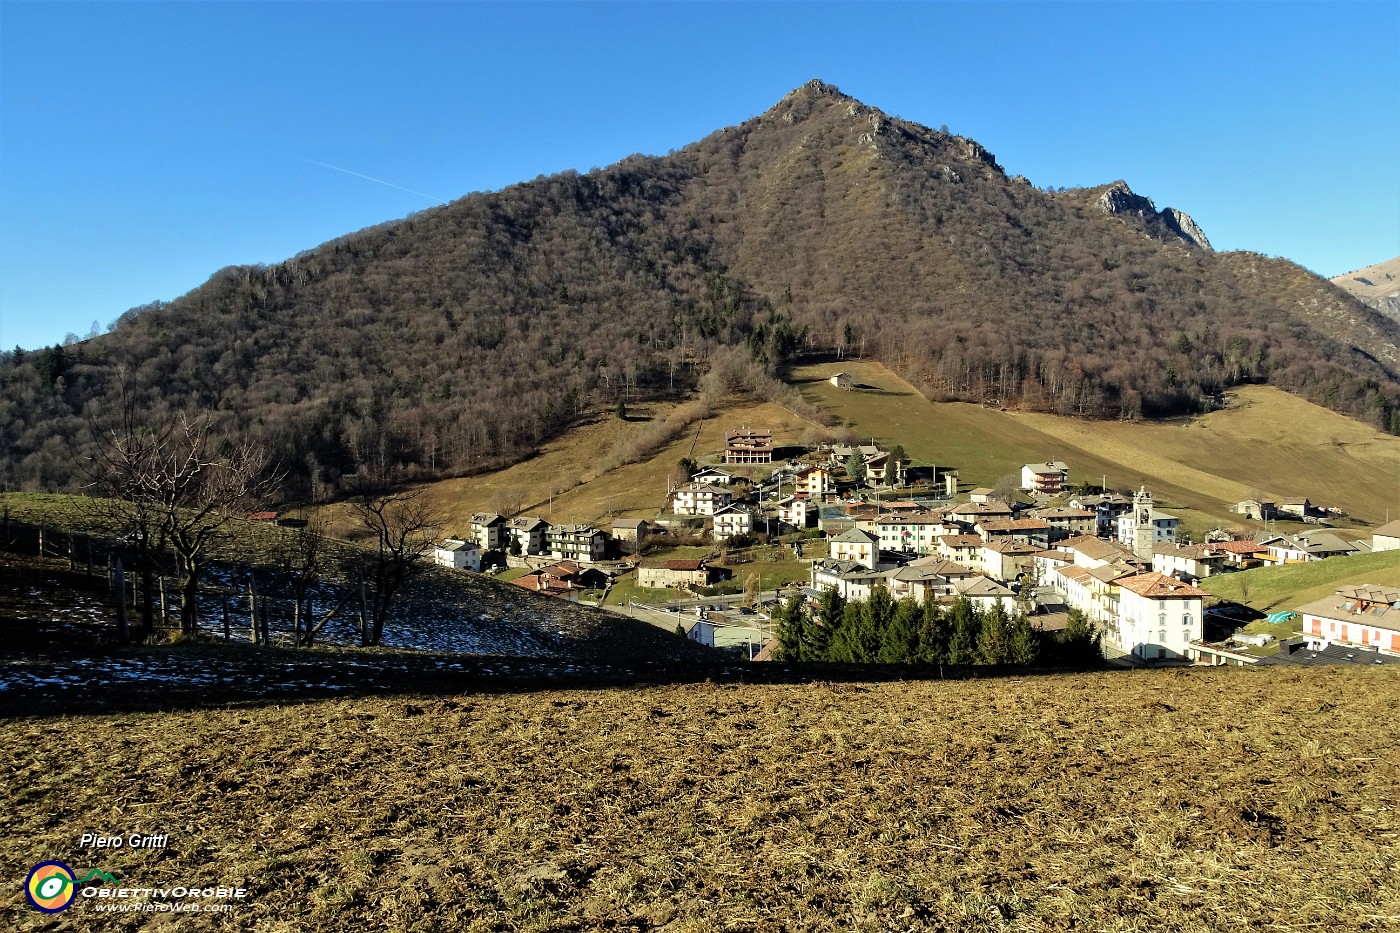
pixel 239 603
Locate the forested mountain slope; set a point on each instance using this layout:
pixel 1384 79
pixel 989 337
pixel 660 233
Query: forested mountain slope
pixel 458 338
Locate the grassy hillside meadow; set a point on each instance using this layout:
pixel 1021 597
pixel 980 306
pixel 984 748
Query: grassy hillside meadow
pixel 568 480
pixel 1273 589
pixel 1266 440
pixel 1196 801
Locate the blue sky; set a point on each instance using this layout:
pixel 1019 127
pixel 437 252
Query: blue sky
pixel 144 146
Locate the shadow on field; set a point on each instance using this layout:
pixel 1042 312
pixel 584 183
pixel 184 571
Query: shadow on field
pixel 191 676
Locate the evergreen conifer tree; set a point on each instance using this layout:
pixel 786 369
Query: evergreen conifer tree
pixel 855 469
pixel 1025 641
pixel 1079 642
pixel 876 614
pixel 994 638
pixel 899 643
pixel 933 634
pixel 964 624
pixel 823 625
pixel 792 629
pixel 845 640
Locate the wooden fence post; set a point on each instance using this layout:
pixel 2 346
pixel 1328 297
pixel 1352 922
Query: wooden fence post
pixel 123 627
pixel 252 609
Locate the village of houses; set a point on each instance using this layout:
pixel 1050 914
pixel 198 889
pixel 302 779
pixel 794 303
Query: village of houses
pixel 862 517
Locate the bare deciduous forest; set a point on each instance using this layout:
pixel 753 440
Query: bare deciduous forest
pixel 458 339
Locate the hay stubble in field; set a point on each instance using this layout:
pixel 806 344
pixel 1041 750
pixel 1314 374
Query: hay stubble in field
pixel 1192 800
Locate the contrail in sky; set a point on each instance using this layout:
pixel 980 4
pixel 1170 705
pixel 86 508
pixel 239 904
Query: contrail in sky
pixel 377 181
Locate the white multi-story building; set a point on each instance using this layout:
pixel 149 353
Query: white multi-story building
pixel 1366 615
pixel 1047 477
pixel 700 499
pixel 1164 528
pixel 458 554
pixel 582 543
pixel 732 520
pixel 488 530
pixel 528 532
pixel 856 545
pixel 911 532
pixel 799 513
pixel 1158 617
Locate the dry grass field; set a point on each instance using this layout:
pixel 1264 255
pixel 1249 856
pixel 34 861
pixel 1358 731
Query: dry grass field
pixel 1191 800
pixel 1267 440
pixel 567 482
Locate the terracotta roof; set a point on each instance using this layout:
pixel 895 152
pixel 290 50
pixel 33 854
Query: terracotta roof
pixel 1009 547
pixel 1235 547
pixel 1052 514
pixel 917 518
pixel 1155 585
pixel 980 508
pixel 942 566
pixel 1076 573
pixel 1184 551
pixel 1095 548
pixel 1015 524
pixel 1108 573
pixel 961 540
pixel 980 586
pixel 685 564
pixel 262 516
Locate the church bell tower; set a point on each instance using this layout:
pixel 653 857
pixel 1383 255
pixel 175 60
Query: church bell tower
pixel 1144 534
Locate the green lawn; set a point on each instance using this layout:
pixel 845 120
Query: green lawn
pixel 626 589
pixel 1272 589
pixel 772 574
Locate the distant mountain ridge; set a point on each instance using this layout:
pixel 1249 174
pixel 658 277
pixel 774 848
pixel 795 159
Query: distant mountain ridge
pixel 459 338
pixel 1377 286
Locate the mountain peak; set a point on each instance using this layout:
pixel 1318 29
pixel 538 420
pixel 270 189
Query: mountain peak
pixel 817 88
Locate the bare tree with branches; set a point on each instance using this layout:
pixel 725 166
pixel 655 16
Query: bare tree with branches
pixel 304 560
pixel 174 485
pixel 404 529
